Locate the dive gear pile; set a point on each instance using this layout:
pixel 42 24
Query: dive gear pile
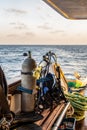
pixel 43 86
pixel 40 89
pixel 50 91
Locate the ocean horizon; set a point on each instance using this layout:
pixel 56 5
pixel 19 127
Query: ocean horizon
pixel 70 57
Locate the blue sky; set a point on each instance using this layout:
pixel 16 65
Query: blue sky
pixel 34 22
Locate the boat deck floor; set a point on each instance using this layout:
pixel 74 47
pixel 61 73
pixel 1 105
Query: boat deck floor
pixel 46 122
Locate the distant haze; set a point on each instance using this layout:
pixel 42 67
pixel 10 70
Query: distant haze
pixel 34 22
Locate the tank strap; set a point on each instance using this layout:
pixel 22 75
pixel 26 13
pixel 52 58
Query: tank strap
pixel 27 73
pixel 25 90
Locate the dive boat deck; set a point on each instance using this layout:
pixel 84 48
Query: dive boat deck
pixel 51 117
pixel 50 120
pixel 47 123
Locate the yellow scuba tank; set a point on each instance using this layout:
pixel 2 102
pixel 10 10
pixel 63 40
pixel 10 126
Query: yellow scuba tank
pixel 28 82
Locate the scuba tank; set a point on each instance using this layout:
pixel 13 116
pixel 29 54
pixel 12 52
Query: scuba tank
pixel 28 83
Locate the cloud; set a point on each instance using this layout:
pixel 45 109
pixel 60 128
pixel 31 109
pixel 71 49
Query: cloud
pixel 38 8
pixel 12 23
pixel 57 31
pixel 19 25
pixel 12 35
pixel 42 17
pixel 30 34
pixel 16 11
pixel 45 26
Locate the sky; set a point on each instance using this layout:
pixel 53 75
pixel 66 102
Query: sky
pixel 34 22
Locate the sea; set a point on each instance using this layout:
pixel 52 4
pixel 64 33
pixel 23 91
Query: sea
pixel 72 58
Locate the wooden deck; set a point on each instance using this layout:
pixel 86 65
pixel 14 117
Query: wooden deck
pixel 46 123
